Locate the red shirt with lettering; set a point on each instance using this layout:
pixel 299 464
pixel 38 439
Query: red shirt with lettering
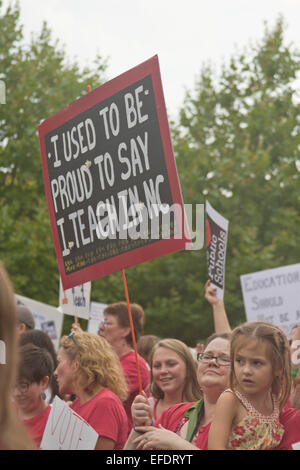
pixel 36 425
pixel 106 414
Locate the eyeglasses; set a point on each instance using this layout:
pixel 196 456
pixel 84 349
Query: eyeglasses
pixel 23 387
pixel 206 358
pixel 107 323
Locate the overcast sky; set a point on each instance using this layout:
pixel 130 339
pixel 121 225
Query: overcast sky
pixel 184 33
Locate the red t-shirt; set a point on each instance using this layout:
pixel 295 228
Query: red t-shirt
pixel 128 364
pixel 36 425
pixel 290 418
pixel 173 419
pixel 105 413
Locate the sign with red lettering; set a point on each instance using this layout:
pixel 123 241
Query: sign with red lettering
pixel 66 430
pixel 110 177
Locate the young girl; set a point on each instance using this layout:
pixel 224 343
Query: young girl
pixel 247 414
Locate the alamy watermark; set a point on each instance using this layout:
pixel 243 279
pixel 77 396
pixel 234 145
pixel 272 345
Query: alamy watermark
pixel 2 92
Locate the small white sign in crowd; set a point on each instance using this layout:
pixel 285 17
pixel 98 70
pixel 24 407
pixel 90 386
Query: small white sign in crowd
pixel 273 295
pixel 66 430
pixel 76 301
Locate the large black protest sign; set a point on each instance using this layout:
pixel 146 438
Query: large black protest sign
pixel 111 183
pixel 216 243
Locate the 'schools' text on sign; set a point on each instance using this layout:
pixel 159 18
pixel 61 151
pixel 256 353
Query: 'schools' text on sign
pixel 110 178
pixel 216 243
pixel 273 295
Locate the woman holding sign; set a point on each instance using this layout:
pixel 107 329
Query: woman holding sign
pixel 89 368
pixel 185 426
pixel 116 330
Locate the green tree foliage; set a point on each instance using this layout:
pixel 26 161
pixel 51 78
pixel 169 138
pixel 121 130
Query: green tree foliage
pixel 238 147
pixel 236 144
pixel 39 82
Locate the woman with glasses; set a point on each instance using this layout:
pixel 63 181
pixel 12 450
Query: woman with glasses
pixel 185 426
pixel 35 372
pixel 89 368
pixel 116 330
pixel 42 340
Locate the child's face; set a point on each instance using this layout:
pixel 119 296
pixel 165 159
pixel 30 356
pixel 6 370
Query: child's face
pixel 253 368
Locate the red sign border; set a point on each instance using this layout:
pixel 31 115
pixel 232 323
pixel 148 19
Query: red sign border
pixel 137 255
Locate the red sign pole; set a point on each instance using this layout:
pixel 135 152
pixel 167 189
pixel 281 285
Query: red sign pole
pixel 132 332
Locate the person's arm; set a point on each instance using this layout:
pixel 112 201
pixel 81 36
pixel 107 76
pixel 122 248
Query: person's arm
pixel 160 439
pixel 141 413
pixel 219 313
pixel 226 409
pixel 104 443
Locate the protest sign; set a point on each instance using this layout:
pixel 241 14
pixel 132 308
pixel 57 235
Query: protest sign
pixel 96 316
pixel 76 301
pixel 273 295
pixel 216 242
pixel 110 178
pixel 46 317
pixel 66 430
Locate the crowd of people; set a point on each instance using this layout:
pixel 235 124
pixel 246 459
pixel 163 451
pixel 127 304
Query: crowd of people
pixel 239 390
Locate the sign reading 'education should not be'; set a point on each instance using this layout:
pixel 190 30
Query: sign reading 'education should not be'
pixel 110 178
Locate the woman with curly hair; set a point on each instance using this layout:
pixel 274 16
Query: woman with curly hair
pixel 89 368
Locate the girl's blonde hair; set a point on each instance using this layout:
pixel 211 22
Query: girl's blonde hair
pixel 98 364
pixel 191 391
pixel 278 351
pixel 13 435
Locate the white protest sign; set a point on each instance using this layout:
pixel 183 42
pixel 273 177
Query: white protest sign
pixel 273 295
pixel 76 301
pixel 96 317
pixel 66 430
pixel 216 243
pixel 46 317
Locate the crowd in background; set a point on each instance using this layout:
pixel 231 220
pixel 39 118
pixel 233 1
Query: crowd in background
pixel 239 390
